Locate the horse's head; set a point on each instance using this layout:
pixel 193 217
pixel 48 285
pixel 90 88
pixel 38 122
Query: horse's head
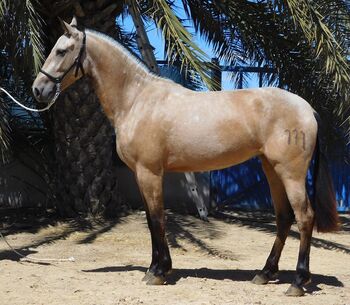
pixel 63 66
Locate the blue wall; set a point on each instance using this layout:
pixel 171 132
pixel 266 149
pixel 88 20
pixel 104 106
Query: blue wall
pixel 244 186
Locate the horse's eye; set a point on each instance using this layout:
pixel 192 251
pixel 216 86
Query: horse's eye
pixel 61 52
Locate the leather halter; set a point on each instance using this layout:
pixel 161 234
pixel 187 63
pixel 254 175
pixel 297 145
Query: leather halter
pixel 77 64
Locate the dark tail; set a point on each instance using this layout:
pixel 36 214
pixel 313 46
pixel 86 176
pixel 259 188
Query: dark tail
pixel 324 204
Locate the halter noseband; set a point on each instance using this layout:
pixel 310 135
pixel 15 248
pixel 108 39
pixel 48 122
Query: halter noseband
pixel 77 64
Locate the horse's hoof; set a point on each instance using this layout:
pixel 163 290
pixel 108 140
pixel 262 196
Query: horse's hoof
pixel 156 280
pixel 295 291
pixel 260 279
pixel 147 276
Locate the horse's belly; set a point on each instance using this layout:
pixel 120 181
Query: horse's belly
pixel 204 154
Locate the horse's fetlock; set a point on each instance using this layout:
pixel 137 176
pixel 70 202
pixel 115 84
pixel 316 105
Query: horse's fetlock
pixel 166 263
pixel 303 277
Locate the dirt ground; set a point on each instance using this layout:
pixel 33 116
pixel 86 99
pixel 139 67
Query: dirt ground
pixel 213 263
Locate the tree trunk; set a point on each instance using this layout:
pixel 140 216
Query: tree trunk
pixel 85 153
pixel 142 40
pixel 85 180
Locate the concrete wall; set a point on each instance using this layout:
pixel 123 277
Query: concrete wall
pixel 178 193
pixel 21 186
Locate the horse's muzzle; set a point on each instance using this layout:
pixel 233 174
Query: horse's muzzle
pixel 43 91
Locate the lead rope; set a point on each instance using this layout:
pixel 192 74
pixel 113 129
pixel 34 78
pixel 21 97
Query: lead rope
pixel 24 257
pixel 58 91
pixel 33 259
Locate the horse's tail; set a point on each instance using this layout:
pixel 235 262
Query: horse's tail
pixel 324 204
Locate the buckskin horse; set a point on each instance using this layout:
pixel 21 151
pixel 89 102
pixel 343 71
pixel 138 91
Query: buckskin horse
pixel 162 126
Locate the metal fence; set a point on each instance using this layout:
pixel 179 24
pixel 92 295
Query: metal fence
pixel 245 186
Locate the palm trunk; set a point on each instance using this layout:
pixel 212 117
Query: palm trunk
pixel 84 141
pixel 142 40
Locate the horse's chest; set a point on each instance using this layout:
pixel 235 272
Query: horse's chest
pixel 123 149
pixel 140 142
pixel 130 141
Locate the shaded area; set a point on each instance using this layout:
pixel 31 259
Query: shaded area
pixel 12 256
pixel 240 275
pixel 57 230
pixel 265 222
pixel 180 227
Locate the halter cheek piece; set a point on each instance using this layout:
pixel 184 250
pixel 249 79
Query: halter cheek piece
pixel 77 64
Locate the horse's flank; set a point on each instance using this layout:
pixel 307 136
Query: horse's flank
pixel 190 131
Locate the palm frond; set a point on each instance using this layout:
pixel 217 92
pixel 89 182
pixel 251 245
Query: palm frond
pixel 35 24
pixel 314 26
pixel 2 7
pixel 179 42
pixel 213 27
pixel 127 39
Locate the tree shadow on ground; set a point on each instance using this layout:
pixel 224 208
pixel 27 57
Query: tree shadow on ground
pixel 27 224
pixel 264 221
pixel 180 227
pixel 239 275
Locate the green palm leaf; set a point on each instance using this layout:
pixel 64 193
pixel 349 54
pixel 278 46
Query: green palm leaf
pixel 308 17
pixel 35 24
pixel 179 42
pixel 2 7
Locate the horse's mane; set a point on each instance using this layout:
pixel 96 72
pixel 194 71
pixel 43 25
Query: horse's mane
pixel 129 54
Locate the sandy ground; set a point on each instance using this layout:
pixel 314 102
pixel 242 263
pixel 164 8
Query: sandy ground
pixel 213 263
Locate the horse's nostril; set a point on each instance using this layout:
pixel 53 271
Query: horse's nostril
pixel 36 92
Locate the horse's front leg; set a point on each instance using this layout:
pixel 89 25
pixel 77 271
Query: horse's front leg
pixel 150 184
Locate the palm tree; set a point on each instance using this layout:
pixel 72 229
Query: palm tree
pixel 306 41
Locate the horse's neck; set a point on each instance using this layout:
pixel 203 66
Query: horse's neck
pixel 117 78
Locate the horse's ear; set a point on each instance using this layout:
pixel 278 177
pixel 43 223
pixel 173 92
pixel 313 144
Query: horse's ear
pixel 63 25
pixel 74 22
pixel 69 29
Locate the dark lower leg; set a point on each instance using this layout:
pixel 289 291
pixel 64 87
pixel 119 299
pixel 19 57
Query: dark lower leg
pixel 283 226
pixel 155 252
pixel 303 275
pixel 305 222
pixel 162 255
pixel 270 270
pixel 161 260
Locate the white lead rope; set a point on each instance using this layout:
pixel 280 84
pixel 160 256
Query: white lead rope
pixel 32 109
pixel 24 257
pixel 33 259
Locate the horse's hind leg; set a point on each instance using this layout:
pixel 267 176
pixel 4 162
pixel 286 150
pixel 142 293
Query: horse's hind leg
pixel 304 215
pixel 150 185
pixel 284 219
